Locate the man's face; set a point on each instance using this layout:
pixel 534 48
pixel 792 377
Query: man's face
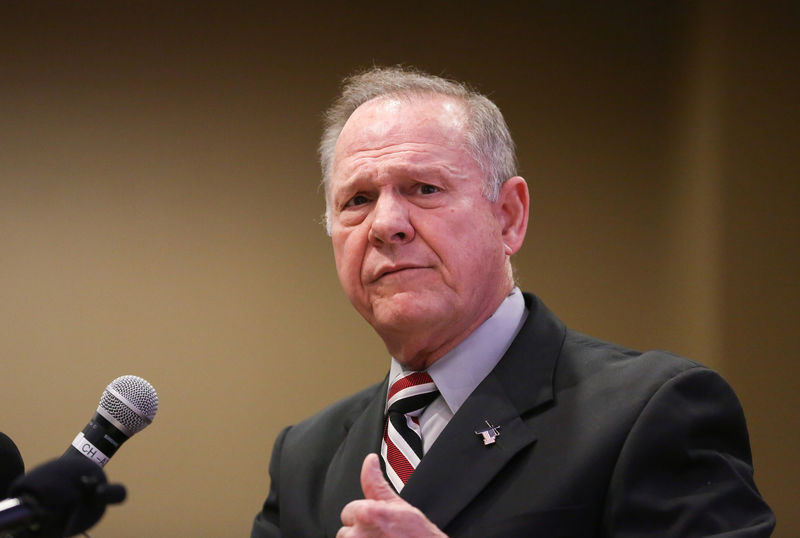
pixel 419 249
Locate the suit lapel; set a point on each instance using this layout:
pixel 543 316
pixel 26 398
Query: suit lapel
pixel 459 463
pixel 343 479
pixel 459 458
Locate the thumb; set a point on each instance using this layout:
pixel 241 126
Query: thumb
pixel 373 483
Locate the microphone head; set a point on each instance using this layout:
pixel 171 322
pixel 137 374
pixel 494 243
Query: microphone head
pixel 130 403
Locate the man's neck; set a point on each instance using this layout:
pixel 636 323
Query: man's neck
pixel 419 350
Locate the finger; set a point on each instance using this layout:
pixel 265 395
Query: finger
pixel 352 511
pixel 348 514
pixel 373 483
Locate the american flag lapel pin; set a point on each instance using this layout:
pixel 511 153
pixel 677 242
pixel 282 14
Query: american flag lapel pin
pixel 490 434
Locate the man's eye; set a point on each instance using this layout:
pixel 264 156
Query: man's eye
pixel 428 189
pixel 357 200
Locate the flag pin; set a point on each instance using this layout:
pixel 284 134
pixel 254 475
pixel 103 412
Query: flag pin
pixel 490 434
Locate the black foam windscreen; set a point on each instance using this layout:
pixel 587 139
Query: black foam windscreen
pixel 69 495
pixel 11 464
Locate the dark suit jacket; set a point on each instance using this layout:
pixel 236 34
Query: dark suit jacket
pixel 595 440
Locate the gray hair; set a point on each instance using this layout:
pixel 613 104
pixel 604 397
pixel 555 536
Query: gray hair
pixel 488 138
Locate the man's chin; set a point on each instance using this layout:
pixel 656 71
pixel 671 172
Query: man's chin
pixel 404 311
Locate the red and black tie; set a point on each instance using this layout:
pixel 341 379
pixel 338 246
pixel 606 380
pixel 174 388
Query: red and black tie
pixel 401 449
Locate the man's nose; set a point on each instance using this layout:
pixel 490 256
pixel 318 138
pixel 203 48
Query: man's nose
pixel 390 223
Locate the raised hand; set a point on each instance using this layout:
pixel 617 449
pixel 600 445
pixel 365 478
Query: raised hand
pixel 382 513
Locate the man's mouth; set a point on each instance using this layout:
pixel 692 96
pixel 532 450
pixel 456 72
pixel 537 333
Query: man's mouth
pixel 402 269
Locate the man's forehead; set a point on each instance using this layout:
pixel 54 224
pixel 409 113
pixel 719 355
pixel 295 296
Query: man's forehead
pixel 394 118
pixel 382 113
pixel 397 102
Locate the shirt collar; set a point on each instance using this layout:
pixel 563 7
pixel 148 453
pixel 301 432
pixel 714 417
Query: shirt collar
pixel 462 369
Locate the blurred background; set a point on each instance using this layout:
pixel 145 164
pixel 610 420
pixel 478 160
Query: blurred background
pixel 160 214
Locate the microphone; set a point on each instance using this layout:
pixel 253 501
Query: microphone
pixel 62 497
pixel 69 494
pixel 127 406
pixel 11 465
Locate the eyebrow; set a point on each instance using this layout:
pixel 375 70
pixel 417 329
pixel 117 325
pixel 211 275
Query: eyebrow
pixel 411 171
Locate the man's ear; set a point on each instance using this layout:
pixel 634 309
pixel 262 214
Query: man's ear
pixel 512 206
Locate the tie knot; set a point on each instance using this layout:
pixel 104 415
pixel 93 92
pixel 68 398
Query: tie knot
pixel 411 392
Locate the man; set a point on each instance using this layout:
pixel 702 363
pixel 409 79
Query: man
pixel 495 420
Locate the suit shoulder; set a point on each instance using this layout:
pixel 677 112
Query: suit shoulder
pixel 583 356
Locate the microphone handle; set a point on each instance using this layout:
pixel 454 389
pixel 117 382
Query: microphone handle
pixel 98 441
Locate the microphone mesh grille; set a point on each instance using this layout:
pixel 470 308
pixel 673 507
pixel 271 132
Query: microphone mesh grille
pixel 141 395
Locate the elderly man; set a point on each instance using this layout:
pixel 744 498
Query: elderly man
pixel 495 419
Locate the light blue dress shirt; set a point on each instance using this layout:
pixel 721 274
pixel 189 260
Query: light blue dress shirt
pixel 462 369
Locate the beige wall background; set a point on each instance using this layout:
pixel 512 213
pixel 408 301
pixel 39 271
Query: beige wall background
pixel 160 216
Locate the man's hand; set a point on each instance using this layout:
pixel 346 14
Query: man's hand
pixel 382 513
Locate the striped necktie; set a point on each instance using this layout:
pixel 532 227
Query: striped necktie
pixel 401 448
